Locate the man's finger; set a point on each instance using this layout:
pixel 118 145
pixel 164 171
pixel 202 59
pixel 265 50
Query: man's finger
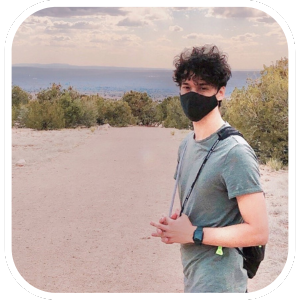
pixel 155 234
pixel 159 231
pixel 159 226
pixel 166 240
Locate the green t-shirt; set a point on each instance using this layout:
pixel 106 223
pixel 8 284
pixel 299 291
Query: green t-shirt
pixel 231 170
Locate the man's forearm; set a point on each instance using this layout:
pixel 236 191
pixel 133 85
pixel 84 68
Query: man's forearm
pixel 240 235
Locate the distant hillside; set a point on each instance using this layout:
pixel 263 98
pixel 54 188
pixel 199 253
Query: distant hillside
pixel 67 66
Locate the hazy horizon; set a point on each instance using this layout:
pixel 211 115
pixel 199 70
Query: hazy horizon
pixel 98 66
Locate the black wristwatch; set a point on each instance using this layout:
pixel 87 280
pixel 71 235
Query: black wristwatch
pixel 198 236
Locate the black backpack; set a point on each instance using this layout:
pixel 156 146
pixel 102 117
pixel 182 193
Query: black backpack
pixel 253 256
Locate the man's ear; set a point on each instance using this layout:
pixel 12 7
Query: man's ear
pixel 221 93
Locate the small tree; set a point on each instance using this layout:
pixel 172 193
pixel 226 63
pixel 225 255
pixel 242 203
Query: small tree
pixel 51 94
pixel 118 113
pixel 161 109
pixel 45 116
pixel 101 109
pixel 260 112
pixel 71 109
pixel 19 96
pixel 20 99
pixel 175 115
pixel 142 107
pixel 88 111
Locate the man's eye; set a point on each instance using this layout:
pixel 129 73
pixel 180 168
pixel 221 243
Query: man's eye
pixel 203 90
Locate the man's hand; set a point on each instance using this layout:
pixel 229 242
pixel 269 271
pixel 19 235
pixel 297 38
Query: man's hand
pixel 162 220
pixel 175 229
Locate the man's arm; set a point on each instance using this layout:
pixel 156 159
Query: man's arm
pixel 254 231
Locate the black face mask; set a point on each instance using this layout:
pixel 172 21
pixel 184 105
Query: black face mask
pixel 196 106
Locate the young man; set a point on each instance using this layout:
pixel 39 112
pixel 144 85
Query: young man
pixel 226 207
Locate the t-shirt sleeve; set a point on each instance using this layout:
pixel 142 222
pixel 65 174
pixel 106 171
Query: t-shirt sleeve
pixel 241 171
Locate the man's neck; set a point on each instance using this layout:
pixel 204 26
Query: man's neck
pixel 208 125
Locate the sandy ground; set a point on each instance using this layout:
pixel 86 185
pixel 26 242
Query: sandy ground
pixel 83 200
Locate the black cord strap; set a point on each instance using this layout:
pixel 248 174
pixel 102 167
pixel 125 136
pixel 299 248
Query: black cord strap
pixel 202 166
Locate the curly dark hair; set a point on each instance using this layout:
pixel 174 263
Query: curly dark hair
pixel 206 63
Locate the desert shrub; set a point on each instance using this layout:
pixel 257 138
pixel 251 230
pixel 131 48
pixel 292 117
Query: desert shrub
pixel 50 94
pixel 274 164
pixel 101 109
pixel 161 109
pixel 22 115
pixel 45 115
pixel 260 112
pixel 142 107
pixel 175 115
pixel 88 111
pixel 14 115
pixel 19 97
pixel 148 115
pixel 118 113
pixel 19 100
pixel 71 109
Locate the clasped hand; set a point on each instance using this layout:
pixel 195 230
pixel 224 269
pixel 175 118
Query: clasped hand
pixel 174 229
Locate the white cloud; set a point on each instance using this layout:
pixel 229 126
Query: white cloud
pixel 37 21
pixel 127 39
pixel 140 16
pixel 252 14
pixel 193 36
pixel 175 28
pixel 67 12
pixel 75 25
pixel 133 22
pixel 61 38
pixel 246 37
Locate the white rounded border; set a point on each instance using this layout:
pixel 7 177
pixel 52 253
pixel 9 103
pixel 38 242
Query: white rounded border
pixel 16 12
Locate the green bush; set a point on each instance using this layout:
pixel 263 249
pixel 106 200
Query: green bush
pixel 175 115
pixel 161 109
pixel 51 94
pixel 260 112
pixel 22 115
pixel 101 109
pixel 118 113
pixel 88 111
pixel 45 115
pixel 19 96
pixel 71 109
pixel 14 115
pixel 19 100
pixel 143 108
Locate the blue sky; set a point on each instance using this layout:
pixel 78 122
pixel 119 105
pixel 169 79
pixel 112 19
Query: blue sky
pixel 147 36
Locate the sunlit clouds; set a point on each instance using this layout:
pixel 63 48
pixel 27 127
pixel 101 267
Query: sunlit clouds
pixel 146 37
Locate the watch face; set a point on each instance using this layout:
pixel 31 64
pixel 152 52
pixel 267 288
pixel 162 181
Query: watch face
pixel 198 236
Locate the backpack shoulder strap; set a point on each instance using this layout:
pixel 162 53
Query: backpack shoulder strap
pixel 228 131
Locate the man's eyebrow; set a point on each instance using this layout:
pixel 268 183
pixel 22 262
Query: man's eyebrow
pixel 202 84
